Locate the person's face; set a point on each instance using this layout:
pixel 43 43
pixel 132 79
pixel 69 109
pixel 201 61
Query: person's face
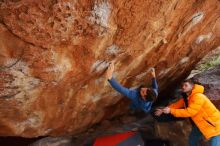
pixel 143 93
pixel 187 87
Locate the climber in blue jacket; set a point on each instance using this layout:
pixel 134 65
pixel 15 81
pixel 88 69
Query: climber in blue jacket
pixel 142 97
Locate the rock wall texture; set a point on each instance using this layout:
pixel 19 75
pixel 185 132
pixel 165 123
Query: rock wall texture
pixel 210 79
pixel 53 54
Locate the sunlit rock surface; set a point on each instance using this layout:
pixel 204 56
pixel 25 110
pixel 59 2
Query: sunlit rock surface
pixel 53 54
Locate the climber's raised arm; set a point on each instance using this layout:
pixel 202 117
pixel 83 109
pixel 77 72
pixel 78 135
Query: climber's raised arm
pixel 154 80
pixel 123 90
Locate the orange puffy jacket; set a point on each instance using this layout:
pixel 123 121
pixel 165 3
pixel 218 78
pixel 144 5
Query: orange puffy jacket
pixel 201 110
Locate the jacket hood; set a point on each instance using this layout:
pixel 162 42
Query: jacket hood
pixel 197 89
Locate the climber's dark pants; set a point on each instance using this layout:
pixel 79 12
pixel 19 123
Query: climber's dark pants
pixel 195 136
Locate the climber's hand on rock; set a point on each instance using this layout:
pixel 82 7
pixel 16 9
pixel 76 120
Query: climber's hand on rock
pixel 166 110
pixel 152 71
pixel 110 71
pixel 158 112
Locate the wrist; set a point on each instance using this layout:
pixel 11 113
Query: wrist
pixel 153 76
pixel 109 78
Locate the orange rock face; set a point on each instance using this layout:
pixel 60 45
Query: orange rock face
pixel 53 54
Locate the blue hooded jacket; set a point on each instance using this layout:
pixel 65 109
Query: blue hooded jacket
pixel 134 95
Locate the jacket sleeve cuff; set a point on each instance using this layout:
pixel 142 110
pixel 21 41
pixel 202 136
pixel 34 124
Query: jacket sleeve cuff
pixel 172 111
pixel 170 106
